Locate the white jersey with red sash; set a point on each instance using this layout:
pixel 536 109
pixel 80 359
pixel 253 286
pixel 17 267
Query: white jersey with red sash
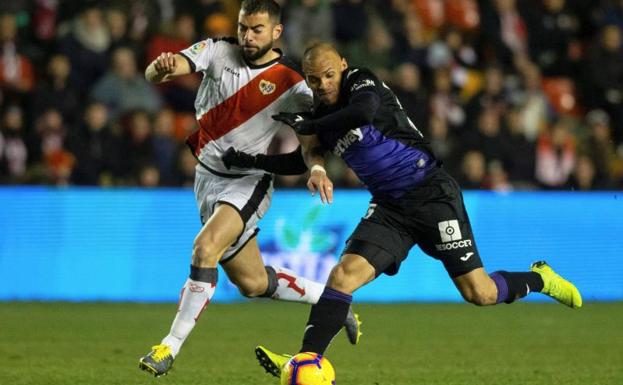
pixel 236 100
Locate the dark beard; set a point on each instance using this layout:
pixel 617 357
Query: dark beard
pixel 258 54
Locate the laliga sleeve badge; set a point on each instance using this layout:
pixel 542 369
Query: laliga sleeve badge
pixel 195 49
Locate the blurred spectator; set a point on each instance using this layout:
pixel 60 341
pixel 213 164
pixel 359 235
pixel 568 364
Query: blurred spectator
pixel 445 103
pixel 350 19
pixel 148 176
pixel 612 13
pixel 497 178
pixel 45 17
pixel 96 147
pixel 57 161
pixel 407 86
pixel 599 146
pixel 307 20
pixel 553 30
pixel 522 151
pixel 584 177
pixel 85 41
pixel 117 22
pixel 178 37
pixel 506 31
pixel 605 79
pixel 179 93
pixel 374 51
pixel 454 52
pixel 16 73
pixel 411 44
pixel 555 155
pixel 533 103
pixel 13 150
pixel 165 146
pixel 123 88
pixel 186 163
pixel 145 17
pixel 489 138
pixel 492 97
pixel 463 14
pixel 444 145
pixel 394 14
pixel 138 148
pixel 56 91
pixel 473 171
pixel 218 25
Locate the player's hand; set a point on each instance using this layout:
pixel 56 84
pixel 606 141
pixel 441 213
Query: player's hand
pixel 165 63
pixel 233 158
pixel 319 181
pixel 300 121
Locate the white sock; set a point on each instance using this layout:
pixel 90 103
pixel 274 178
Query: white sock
pixel 195 296
pixel 291 287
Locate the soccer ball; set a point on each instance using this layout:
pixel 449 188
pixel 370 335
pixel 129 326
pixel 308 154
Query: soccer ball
pixel 308 369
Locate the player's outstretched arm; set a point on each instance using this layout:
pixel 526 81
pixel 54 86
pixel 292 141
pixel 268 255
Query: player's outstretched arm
pixel 291 163
pixel 166 67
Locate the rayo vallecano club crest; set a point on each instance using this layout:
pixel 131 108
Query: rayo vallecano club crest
pixel 267 87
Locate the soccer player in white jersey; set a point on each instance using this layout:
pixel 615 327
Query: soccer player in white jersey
pixel 244 83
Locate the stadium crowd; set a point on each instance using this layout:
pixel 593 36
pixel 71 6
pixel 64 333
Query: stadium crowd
pixel 512 94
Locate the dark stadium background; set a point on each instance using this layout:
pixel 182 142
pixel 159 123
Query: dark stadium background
pixel 522 99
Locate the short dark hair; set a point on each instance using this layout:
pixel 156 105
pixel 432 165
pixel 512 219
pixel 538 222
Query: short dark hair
pixel 271 7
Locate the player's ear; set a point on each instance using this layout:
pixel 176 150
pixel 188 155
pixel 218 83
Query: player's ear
pixel 277 30
pixel 343 64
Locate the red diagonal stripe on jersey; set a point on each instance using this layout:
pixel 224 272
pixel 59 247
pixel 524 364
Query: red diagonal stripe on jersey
pixel 243 105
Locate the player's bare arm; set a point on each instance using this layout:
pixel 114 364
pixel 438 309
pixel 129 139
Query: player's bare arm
pixel 318 179
pixel 166 67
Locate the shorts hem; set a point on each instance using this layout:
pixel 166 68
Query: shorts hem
pixel 235 253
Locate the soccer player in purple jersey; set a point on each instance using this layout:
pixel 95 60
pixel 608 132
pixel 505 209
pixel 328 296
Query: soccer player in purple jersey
pixel 414 200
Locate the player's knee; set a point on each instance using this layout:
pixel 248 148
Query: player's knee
pixel 251 286
pixel 205 254
pixel 252 289
pixel 480 296
pixel 344 279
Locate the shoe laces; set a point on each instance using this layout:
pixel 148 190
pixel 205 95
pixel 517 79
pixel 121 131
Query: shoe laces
pixel 160 352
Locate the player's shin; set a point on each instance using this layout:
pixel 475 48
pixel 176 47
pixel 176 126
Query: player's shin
pixel 513 286
pixel 285 285
pixel 194 297
pixel 325 320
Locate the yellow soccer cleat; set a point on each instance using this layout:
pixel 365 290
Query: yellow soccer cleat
pixel 157 362
pixel 271 362
pixel 556 286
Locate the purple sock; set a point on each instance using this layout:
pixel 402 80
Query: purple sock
pixel 502 286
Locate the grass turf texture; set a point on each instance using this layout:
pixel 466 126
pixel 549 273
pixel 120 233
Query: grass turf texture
pixel 68 343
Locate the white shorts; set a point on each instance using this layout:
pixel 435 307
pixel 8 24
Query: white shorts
pixel 250 195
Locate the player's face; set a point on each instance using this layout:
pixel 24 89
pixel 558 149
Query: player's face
pixel 257 35
pixel 323 73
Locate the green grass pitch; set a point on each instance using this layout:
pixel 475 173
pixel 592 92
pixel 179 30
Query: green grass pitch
pixel 525 343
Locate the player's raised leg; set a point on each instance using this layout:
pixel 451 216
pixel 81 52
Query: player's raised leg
pixel 502 286
pixel 219 232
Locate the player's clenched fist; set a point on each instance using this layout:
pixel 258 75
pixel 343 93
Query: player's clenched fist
pixel 165 63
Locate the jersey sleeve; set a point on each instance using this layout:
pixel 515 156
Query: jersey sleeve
pixel 360 81
pixel 301 99
pixel 200 54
